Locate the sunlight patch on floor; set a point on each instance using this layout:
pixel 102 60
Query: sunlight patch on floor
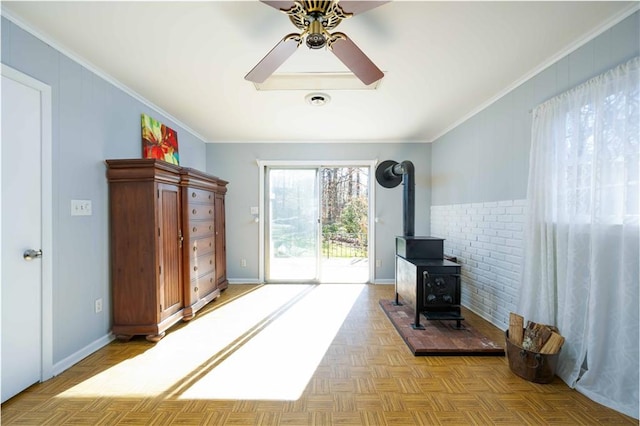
pixel 168 365
pixel 278 363
pixel 344 270
pixel 332 269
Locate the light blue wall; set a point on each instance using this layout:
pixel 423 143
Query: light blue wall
pixel 92 121
pixel 486 158
pixel 237 164
pixel 480 171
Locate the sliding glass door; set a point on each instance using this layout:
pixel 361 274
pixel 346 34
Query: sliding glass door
pixel 293 224
pixel 317 224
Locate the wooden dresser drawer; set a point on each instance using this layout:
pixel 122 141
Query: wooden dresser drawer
pixel 200 196
pixel 202 246
pixel 200 229
pixel 200 212
pixel 204 285
pixel 202 265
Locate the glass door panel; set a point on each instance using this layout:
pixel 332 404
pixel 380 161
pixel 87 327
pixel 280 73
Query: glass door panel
pixel 293 228
pixel 345 224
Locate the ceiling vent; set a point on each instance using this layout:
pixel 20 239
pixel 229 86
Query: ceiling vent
pixel 318 99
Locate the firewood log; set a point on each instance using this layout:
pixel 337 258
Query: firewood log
pixel 553 345
pixel 516 328
pixel 535 336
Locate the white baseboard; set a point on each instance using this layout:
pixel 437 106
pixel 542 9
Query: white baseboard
pixel 78 356
pixel 256 281
pixel 244 281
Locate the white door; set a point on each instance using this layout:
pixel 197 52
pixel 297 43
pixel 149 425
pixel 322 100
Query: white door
pixel 22 349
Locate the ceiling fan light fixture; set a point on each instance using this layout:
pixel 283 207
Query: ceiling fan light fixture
pixel 318 99
pixel 316 38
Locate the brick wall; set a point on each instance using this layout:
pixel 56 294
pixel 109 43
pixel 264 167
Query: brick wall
pixel 487 240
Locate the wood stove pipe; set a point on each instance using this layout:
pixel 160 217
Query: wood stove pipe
pixel 389 174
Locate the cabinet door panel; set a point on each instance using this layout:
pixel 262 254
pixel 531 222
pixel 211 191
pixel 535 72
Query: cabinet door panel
pixel 170 250
pixel 221 257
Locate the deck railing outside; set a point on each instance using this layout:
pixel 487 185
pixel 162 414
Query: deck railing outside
pixel 343 244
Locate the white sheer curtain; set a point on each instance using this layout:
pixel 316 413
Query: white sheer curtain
pixel 582 257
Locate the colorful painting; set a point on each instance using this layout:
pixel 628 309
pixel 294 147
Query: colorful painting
pixel 159 141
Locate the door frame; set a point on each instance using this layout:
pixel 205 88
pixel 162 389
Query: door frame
pixel 264 164
pixel 46 164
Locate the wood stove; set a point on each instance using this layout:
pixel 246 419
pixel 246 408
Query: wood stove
pixel 426 280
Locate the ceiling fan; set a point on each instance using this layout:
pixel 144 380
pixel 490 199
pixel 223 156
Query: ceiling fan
pixel 316 18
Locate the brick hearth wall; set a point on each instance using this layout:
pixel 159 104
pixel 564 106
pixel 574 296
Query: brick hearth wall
pixel 487 240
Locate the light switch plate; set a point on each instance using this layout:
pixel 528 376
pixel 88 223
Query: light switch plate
pixel 80 207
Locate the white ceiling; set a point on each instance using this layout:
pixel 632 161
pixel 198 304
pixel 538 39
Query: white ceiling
pixel 442 61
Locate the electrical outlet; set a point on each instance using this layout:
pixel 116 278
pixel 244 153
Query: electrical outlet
pixel 243 263
pixel 378 263
pixel 98 306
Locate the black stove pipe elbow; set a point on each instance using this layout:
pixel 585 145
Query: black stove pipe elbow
pixel 389 174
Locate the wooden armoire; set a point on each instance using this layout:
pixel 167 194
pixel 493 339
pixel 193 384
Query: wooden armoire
pixel 168 254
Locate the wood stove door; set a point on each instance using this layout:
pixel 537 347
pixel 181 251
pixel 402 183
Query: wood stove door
pixel 440 290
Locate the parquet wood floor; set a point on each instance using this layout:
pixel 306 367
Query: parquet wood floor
pixel 366 376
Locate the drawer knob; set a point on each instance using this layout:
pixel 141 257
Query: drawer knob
pixel 194 211
pixel 210 211
pixel 195 229
pixel 210 227
pixel 193 195
pixel 195 268
pixel 195 248
pixel 195 289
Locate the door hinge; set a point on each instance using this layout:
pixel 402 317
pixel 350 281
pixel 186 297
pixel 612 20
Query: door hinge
pixel 158 193
pixel 161 307
pixel 160 269
pixel 158 231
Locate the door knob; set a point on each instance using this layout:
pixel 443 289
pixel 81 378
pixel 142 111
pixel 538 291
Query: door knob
pixel 32 254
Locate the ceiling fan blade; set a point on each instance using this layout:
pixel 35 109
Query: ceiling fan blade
pixel 355 59
pixel 355 7
pixel 279 4
pixel 274 59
